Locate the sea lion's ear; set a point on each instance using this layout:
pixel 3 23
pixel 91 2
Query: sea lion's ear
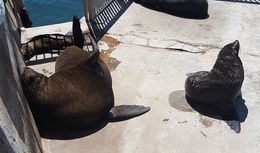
pixel 235 47
pixel 92 60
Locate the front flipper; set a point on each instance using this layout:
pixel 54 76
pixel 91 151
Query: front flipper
pixel 124 112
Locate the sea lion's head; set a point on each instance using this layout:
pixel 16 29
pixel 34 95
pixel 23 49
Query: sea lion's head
pixel 228 61
pixel 231 49
pixel 31 81
pixel 228 58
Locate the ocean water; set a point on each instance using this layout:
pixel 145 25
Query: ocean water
pixel 45 12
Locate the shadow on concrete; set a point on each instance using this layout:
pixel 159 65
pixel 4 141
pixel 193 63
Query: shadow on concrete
pixel 117 114
pixel 106 18
pixel 186 10
pixel 233 117
pixel 179 101
pixel 70 134
pixel 242 1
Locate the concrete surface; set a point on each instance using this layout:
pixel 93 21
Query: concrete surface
pixel 149 54
pixel 18 133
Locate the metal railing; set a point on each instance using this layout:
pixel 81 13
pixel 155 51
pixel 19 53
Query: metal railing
pixel 93 7
pixel 102 14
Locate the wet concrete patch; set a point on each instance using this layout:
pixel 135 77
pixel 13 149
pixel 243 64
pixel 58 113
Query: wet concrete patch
pixel 178 101
pixel 112 43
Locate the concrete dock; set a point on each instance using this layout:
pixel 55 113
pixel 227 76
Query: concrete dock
pixel 150 54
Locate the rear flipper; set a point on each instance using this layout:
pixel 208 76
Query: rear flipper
pixel 124 112
pixel 234 125
pixel 232 119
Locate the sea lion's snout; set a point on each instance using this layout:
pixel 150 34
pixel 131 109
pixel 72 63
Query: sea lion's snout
pixel 29 76
pixel 236 46
pixel 28 72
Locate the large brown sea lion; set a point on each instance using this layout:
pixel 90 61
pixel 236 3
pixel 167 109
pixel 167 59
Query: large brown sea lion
pixel 79 93
pixel 218 89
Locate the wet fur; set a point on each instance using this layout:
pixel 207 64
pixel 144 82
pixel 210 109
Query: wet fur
pixel 219 87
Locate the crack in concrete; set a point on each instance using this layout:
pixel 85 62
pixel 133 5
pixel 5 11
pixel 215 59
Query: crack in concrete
pixel 254 55
pixel 171 49
pixel 201 48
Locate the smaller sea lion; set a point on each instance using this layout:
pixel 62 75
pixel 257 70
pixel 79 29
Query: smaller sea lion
pixel 218 89
pixel 183 8
pixel 45 43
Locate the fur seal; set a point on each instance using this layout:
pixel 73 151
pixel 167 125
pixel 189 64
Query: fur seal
pixel 183 8
pixel 217 89
pixel 46 43
pixel 79 93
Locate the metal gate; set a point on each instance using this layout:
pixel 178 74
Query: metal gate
pixel 102 14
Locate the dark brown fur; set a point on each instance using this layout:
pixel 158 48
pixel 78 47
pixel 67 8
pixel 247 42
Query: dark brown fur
pixel 78 94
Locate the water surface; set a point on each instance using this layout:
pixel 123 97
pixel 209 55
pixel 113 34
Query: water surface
pixel 45 12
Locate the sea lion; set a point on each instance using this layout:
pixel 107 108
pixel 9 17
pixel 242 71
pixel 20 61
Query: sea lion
pixel 218 89
pixel 183 8
pixel 47 43
pixel 79 93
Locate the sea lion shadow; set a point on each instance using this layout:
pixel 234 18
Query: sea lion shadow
pixel 70 134
pixel 240 109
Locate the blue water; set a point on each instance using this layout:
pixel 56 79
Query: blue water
pixel 45 12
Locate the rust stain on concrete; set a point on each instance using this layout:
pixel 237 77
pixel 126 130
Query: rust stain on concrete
pixel 112 43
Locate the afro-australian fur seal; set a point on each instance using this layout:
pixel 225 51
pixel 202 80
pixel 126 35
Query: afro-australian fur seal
pixel 183 8
pixel 218 88
pixel 79 93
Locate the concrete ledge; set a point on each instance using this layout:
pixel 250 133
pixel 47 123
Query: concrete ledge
pixel 18 132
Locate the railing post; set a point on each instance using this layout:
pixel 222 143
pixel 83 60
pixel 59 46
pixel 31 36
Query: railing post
pixel 88 10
